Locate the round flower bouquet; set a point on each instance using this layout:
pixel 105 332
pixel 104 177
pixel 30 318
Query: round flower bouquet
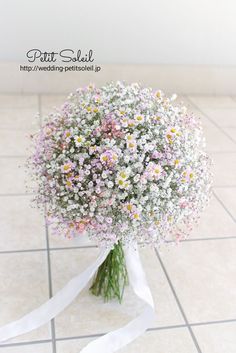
pixel 124 165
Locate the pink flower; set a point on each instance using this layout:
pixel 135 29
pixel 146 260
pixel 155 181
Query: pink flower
pixel 153 171
pixel 67 167
pixel 109 220
pixel 109 158
pixel 111 128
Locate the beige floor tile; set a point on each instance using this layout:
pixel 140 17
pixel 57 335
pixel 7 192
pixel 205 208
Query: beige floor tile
pixel 166 341
pixel 224 169
pixel 219 338
pixel 228 197
pixel 203 275
pixel 216 140
pixel 13 176
pixel 19 119
pixel 212 101
pixel 23 287
pixel 58 241
pixel 192 109
pixel 22 227
pixel 231 131
pixel 224 117
pixel 106 316
pixel 214 222
pixel 18 101
pixel 33 348
pixel 50 102
pixel 14 142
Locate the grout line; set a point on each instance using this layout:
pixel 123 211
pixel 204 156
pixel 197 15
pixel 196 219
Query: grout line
pixel 227 321
pixel 21 251
pixel 45 249
pixel 178 303
pixel 24 343
pixel 2 252
pixel 50 287
pixel 159 328
pixel 54 349
pixel 74 247
pixel 203 239
pixel 223 205
pixel 53 334
pixel 210 119
pixel 95 335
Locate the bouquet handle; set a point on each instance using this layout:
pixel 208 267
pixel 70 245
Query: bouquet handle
pixel 110 342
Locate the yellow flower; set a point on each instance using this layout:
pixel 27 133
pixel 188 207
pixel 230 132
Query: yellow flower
pixel 79 140
pixel 131 124
pixel 136 216
pixel 129 137
pixel 68 134
pixel 129 207
pixel 131 145
pixel 66 167
pixel 126 185
pixel 123 175
pixel 158 94
pixel 104 158
pixel 139 118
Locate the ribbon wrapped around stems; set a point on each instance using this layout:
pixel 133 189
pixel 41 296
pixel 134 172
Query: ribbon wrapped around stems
pixel 110 342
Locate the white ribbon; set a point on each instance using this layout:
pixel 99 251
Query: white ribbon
pixel 110 342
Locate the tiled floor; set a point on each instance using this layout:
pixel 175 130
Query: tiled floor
pixel 194 285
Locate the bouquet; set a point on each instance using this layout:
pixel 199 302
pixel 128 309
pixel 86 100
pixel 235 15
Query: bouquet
pixel 125 165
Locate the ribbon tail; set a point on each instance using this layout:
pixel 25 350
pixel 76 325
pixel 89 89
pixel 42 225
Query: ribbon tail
pixel 55 305
pixel 117 339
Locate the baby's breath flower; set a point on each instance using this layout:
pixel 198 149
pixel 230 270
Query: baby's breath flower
pixel 122 162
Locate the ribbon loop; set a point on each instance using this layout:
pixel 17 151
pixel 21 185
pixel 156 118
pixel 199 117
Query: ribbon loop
pixel 110 342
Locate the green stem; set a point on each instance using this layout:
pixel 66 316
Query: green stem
pixel 111 277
